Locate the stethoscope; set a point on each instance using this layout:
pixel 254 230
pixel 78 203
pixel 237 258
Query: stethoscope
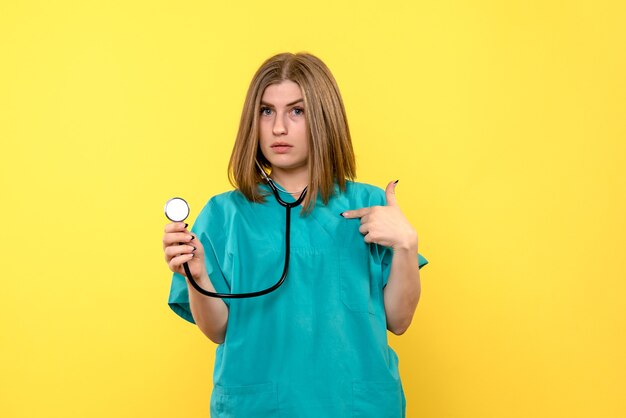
pixel 177 210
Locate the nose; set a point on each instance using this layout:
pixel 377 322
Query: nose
pixel 279 127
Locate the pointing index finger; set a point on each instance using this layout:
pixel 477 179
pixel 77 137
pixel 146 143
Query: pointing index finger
pixel 357 213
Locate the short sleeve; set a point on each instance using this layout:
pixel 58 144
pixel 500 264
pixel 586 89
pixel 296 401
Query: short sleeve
pixel 387 256
pixel 421 260
pixel 212 238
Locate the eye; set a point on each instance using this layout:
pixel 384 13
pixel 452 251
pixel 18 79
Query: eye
pixel 298 111
pixel 266 111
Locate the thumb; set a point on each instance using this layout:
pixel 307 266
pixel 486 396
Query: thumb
pixel 390 193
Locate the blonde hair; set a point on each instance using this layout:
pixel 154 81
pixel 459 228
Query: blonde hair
pixel 331 157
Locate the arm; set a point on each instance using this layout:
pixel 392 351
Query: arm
pixel 210 314
pixel 387 226
pixel 403 289
pixel 180 246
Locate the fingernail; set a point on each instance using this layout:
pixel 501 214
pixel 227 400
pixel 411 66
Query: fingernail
pixel 396 182
pixel 192 237
pixel 186 225
pixel 341 214
pixel 194 248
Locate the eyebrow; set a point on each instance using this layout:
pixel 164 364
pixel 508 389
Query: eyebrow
pixel 288 104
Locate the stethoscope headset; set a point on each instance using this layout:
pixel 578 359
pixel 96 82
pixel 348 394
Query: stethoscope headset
pixel 177 210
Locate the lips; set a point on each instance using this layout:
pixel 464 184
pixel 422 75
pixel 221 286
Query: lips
pixel 280 144
pixel 281 147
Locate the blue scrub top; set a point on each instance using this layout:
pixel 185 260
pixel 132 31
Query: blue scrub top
pixel 317 346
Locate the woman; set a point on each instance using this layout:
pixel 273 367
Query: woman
pixel 317 346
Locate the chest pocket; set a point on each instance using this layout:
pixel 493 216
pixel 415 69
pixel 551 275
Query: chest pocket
pixel 253 267
pixel 361 278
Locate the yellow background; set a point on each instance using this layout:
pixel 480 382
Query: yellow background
pixel 503 120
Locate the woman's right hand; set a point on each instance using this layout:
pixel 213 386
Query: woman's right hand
pixel 180 246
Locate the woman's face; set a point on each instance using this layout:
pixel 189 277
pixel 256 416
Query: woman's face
pixel 283 127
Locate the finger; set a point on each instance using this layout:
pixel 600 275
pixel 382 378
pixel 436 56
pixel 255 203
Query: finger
pixel 176 227
pixel 364 229
pixel 176 237
pixel 179 260
pixel 390 193
pixel 176 250
pixel 357 213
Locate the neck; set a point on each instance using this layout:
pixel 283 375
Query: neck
pixel 292 181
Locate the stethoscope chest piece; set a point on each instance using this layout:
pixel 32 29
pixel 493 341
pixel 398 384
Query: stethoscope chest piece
pixel 176 209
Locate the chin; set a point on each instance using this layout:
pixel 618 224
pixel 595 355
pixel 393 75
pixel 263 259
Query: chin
pixel 286 165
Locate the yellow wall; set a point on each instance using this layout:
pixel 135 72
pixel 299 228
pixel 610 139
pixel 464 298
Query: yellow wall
pixel 503 120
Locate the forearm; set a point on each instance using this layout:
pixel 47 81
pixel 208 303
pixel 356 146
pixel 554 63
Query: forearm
pixel 403 289
pixel 210 314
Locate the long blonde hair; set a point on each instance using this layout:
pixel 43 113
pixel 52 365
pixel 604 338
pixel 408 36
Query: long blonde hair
pixel 331 157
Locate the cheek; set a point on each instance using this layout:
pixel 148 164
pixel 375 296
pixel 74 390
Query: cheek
pixel 264 133
pixel 302 133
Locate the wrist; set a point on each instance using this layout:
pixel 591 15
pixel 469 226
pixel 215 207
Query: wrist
pixel 407 244
pixel 202 278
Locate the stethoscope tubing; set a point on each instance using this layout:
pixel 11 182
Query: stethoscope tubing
pixel 288 206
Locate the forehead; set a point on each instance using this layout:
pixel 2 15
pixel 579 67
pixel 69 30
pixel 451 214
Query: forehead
pixel 286 91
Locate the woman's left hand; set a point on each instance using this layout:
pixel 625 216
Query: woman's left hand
pixel 385 225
